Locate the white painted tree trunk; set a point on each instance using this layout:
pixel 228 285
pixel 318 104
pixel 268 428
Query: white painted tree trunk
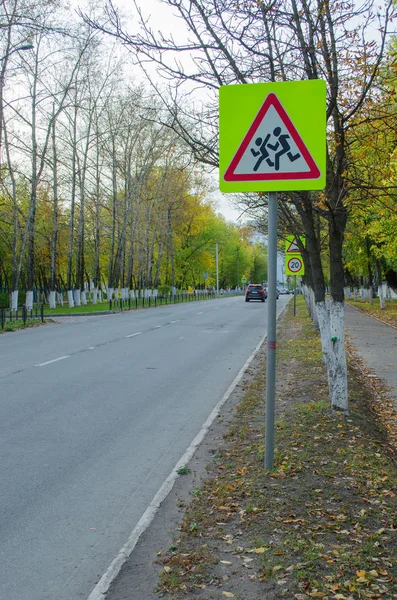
pixel 339 397
pixel 77 297
pixel 95 295
pixel 362 294
pixel 53 300
pixel 70 299
pixel 60 299
pixel 381 298
pixel 110 292
pixel 332 332
pixel 29 300
pixel 371 295
pixel 132 294
pixel 83 298
pixel 100 295
pixel 14 300
pixel 155 292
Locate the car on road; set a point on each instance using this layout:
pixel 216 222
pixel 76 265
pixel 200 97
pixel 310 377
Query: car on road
pixel 255 291
pixel 284 291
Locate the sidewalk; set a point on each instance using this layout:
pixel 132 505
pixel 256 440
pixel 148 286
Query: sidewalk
pixel 376 344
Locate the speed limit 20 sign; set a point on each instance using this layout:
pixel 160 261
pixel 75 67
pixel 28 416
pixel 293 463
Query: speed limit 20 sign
pixel 294 265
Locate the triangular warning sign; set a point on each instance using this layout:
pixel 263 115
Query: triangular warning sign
pixel 272 150
pixel 293 247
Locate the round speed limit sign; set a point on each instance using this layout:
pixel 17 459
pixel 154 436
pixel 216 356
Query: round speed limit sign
pixel 295 266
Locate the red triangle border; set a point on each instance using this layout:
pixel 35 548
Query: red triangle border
pixel 314 171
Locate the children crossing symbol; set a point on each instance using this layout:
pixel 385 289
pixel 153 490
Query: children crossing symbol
pixel 280 147
pixel 272 149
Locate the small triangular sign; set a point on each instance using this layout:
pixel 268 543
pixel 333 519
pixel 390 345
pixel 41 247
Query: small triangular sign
pixel 293 247
pixel 272 149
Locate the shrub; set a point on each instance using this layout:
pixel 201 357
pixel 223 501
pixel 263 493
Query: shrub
pixel 4 300
pixel 164 290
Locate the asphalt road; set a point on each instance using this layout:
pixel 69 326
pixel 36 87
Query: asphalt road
pixel 94 415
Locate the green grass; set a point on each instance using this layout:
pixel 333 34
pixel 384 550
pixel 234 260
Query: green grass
pixel 65 310
pixel 14 325
pixel 104 306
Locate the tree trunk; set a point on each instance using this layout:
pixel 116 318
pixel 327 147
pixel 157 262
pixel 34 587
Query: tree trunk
pixel 54 237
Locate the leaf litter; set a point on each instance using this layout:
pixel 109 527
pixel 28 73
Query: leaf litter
pixel 323 522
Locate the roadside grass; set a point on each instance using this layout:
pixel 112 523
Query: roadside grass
pixel 65 310
pixel 19 324
pixel 389 314
pixel 321 524
pixel 105 306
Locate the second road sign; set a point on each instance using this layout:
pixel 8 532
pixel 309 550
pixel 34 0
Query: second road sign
pixel 294 265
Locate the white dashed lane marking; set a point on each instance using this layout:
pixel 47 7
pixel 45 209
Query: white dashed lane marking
pixel 48 362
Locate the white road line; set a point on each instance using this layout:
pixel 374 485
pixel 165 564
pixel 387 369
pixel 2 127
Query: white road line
pixel 101 588
pixel 91 348
pixel 48 362
pixel 158 326
pixel 134 334
pixel 177 321
pixel 200 313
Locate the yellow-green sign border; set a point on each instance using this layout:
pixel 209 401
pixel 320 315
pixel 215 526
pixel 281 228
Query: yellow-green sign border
pixel 305 104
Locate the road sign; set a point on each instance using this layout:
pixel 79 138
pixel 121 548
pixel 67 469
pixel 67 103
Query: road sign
pixel 272 136
pixel 294 265
pixel 291 244
pixel 243 280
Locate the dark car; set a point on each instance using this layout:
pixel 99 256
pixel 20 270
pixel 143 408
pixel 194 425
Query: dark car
pixel 255 291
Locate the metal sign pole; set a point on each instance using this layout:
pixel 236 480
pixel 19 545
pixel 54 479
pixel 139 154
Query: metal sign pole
pixel 294 295
pixel 271 331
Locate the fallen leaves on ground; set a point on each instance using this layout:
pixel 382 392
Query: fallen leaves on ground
pixel 323 523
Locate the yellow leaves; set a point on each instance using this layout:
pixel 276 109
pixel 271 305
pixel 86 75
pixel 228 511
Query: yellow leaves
pixel 228 595
pixel 361 574
pixel 261 550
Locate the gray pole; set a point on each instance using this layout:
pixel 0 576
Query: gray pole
pixel 271 331
pixel 217 269
pixel 294 295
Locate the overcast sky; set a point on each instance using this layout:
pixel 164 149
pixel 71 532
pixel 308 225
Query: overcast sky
pixel 161 17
